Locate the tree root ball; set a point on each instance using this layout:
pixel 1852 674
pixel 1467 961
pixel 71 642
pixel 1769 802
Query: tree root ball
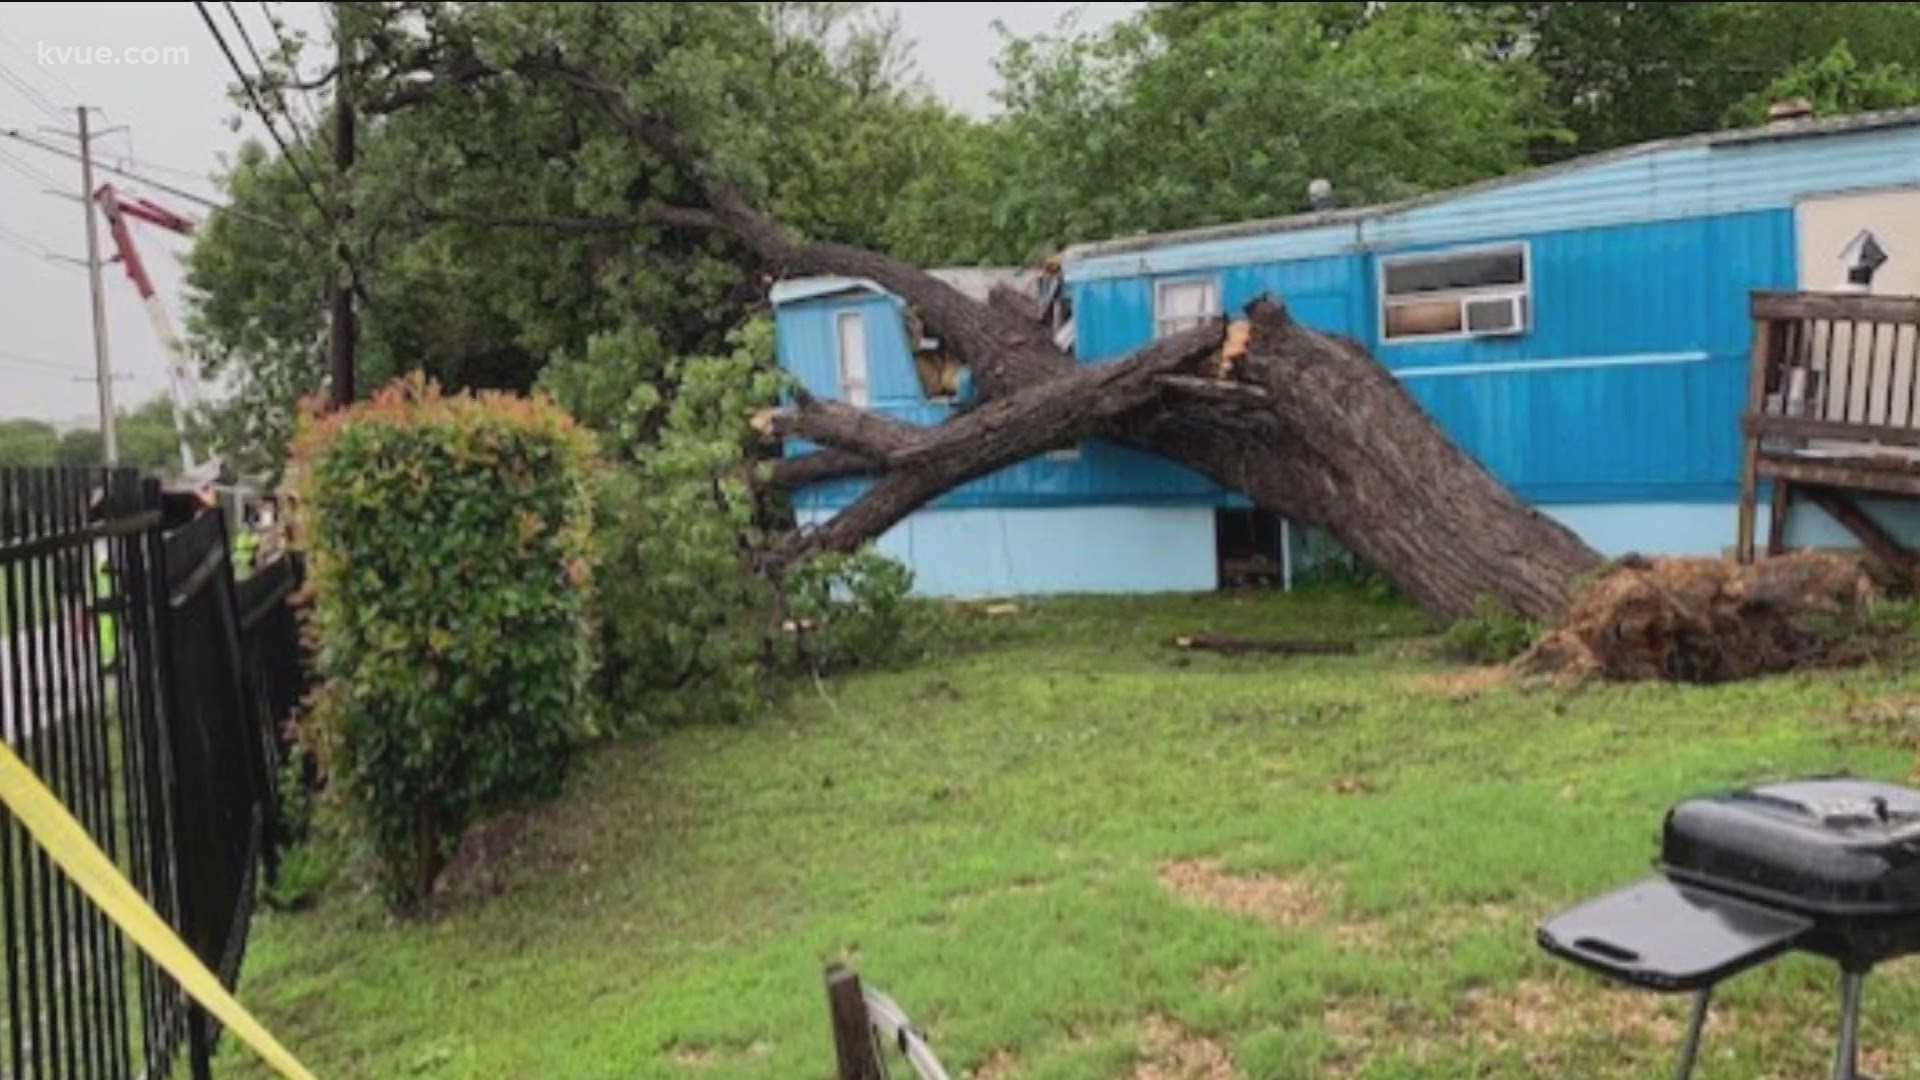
pixel 1708 620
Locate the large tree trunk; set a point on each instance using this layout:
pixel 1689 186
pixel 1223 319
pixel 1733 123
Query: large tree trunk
pixel 1337 442
pixel 1306 425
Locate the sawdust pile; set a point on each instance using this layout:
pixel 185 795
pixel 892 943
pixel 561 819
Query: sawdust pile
pixel 1708 620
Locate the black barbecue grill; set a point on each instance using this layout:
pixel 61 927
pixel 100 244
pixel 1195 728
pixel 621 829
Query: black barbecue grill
pixel 1825 866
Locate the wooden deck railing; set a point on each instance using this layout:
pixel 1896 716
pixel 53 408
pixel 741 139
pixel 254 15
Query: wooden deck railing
pixel 1833 404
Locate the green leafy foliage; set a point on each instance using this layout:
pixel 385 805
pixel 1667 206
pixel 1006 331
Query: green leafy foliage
pixel 1625 71
pixel 682 617
pixel 468 267
pixel 146 436
pixel 1833 84
pixel 1491 635
pixel 1182 118
pixel 305 871
pixel 449 541
pixel 690 630
pixel 852 611
pixel 28 442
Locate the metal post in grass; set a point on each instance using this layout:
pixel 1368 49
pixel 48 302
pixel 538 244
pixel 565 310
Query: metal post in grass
pixel 852 1028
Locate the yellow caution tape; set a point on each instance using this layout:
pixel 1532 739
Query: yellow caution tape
pixel 67 841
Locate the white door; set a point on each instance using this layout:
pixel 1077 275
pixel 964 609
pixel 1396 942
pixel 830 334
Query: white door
pixel 852 330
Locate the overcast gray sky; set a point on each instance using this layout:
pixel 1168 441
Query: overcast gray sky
pixel 179 124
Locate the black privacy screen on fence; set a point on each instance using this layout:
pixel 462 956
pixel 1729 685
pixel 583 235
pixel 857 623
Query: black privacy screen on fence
pixel 128 683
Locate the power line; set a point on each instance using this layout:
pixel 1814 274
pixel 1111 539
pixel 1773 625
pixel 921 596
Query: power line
pixel 31 172
pixel 290 53
pixel 24 247
pixel 26 243
pixel 260 109
pixel 45 72
pixel 260 66
pixel 31 93
pixel 327 215
pixel 131 159
pixel 158 185
pixel 128 160
pixel 36 362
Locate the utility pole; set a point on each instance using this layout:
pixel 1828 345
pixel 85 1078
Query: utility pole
pixel 342 344
pixel 103 371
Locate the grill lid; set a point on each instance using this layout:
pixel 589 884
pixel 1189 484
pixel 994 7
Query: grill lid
pixel 1828 847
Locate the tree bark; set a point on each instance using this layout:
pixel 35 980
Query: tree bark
pixel 1338 443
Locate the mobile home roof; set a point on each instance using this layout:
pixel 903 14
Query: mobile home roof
pixel 1691 186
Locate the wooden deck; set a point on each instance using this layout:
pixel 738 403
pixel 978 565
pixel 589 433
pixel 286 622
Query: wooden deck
pixel 1833 411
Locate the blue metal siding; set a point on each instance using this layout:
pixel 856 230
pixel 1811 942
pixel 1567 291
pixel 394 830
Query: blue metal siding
pixel 1657 183
pixel 1004 551
pixel 808 344
pixel 1627 386
pixel 1115 316
pixel 1112 318
pixel 1104 474
pixel 1630 383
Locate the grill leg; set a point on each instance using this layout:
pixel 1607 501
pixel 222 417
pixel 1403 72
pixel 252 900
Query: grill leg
pixel 1846 1058
pixel 1690 1046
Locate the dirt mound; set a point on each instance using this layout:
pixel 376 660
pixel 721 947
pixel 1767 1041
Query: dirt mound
pixel 1707 620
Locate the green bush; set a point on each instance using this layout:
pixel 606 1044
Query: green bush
pixel 847 611
pixel 305 871
pixel 683 616
pixel 691 628
pixel 449 538
pixel 1491 635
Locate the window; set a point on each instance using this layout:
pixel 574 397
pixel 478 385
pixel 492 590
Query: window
pixel 1482 292
pixel 852 331
pixel 1183 304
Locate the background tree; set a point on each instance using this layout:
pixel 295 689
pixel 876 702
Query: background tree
pixel 1196 114
pixel 1835 83
pixel 1625 71
pixel 146 440
pixel 488 227
pixel 28 442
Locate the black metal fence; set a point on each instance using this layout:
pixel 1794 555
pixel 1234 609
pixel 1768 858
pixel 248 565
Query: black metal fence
pixel 129 684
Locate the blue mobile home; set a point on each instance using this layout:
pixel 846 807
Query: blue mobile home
pixel 1582 330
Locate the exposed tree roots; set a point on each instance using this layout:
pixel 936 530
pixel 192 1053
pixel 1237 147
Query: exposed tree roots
pixel 1709 620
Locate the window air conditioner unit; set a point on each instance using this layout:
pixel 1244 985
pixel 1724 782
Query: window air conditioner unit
pixel 1496 315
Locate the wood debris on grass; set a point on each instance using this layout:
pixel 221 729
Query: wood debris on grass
pixel 1231 646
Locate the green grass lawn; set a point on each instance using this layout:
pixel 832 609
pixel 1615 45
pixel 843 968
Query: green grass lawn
pixel 1079 854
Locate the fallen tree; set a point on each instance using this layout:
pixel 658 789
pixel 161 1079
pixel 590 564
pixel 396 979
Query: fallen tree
pixel 1307 425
